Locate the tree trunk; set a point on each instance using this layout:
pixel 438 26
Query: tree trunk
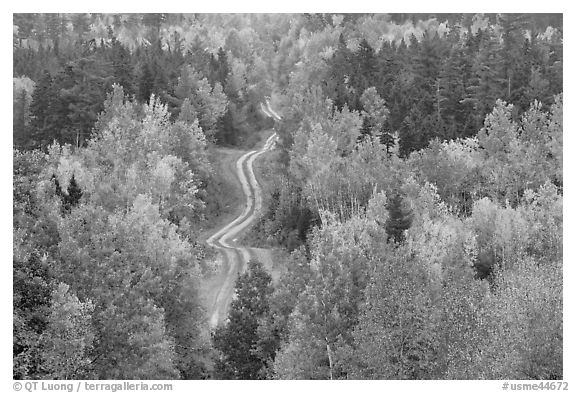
pixel 329 358
pixel 438 99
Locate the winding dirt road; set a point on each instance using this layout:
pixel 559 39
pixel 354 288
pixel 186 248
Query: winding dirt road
pixel 235 257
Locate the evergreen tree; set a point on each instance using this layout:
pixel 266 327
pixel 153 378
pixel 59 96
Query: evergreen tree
pixel 20 118
pixel 198 57
pixel 452 81
pixel 40 112
pixel 226 133
pixel 81 90
pixel 510 54
pixel 222 69
pixel 238 338
pixel 154 23
pixel 80 24
pixel 485 86
pixel 145 82
pixel 25 24
pixel 122 67
pixel 73 195
pixel 364 66
pixel 387 70
pixel 53 29
pixel 335 85
pixel 399 219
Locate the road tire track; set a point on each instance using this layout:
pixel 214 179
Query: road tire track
pixel 235 257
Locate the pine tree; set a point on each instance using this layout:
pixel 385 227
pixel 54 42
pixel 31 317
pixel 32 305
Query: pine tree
pixel 452 81
pixel 485 86
pixel 40 111
pixel 72 198
pixel 198 57
pixel 122 67
pixel 399 219
pixel 19 127
pixel 364 66
pixel 81 91
pixel 387 70
pixel 223 68
pixel 80 24
pixel 237 339
pixel 226 133
pixel 335 85
pixel 187 112
pixel 153 22
pixel 510 54
pixel 145 82
pixel 53 29
pixel 25 23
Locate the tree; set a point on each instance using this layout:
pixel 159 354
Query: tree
pixel 364 66
pixel 80 24
pixel 345 128
pixel 524 297
pixel 73 194
pixel 40 112
pixel 485 87
pixel 209 103
pixel 222 71
pixel 154 22
pixel 510 54
pixel 145 82
pixel 69 336
pixel 237 340
pixel 23 89
pixel 335 86
pixel 399 220
pixel 31 302
pixel 395 338
pixel 123 70
pixel 453 79
pixel 77 93
pixel 327 310
pixel 143 288
pixel 376 113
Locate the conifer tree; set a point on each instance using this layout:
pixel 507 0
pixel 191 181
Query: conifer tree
pixel 122 67
pixel 399 219
pixel 145 83
pixel 72 198
pixel 364 65
pixel 238 338
pixel 510 54
pixel 223 68
pixel 40 111
pixel 335 86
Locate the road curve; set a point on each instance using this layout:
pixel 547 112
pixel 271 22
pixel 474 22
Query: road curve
pixel 272 112
pixel 235 256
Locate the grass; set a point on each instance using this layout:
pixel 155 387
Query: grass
pixel 265 170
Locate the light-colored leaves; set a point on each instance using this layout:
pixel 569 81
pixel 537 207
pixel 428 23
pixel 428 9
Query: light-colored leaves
pixel 69 337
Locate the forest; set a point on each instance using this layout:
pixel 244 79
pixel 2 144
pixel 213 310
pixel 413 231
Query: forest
pixel 413 201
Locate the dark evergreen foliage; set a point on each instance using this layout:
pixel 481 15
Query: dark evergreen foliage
pixel 442 87
pixel 238 338
pixel 416 257
pixel 399 220
pixel 40 111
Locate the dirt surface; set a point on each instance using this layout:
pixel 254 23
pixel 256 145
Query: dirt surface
pixel 233 257
pixel 233 200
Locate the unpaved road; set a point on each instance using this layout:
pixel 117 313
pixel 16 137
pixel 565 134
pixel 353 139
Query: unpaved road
pixel 234 256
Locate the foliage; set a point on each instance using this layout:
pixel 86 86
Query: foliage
pixel 417 183
pixel 238 340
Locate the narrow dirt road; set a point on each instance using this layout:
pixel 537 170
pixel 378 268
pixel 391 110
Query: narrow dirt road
pixel 235 257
